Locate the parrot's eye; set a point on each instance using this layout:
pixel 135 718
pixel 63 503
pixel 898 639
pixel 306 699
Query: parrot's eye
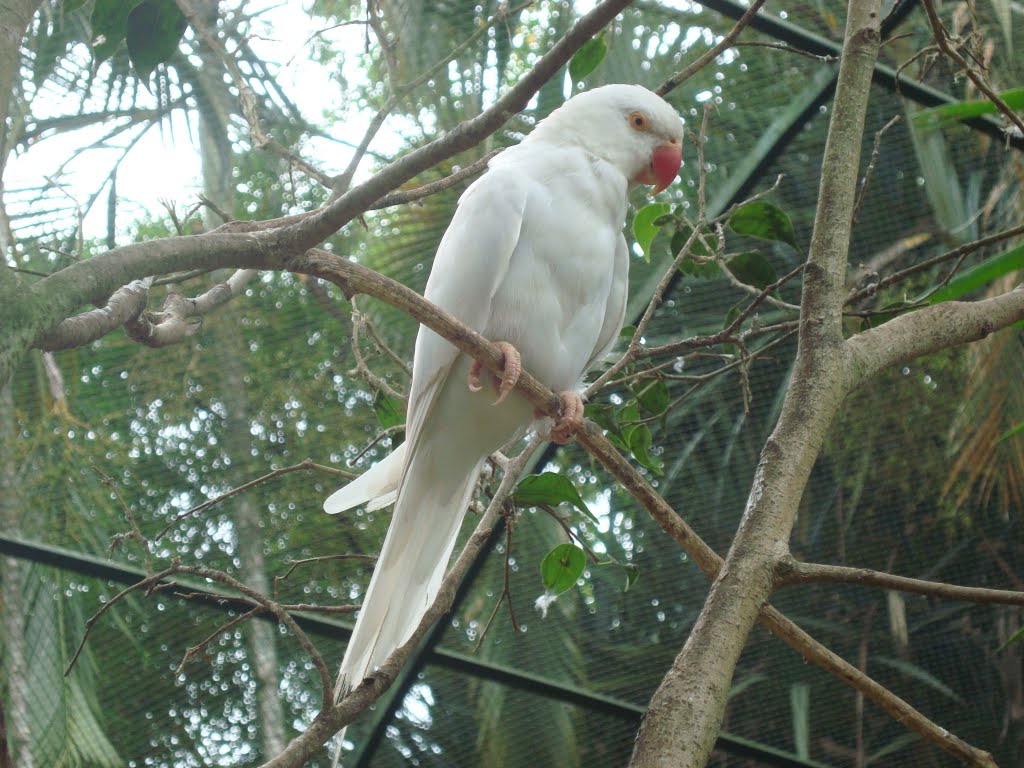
pixel 638 121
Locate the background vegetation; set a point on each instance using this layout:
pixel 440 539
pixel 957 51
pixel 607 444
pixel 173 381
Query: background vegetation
pixel 923 475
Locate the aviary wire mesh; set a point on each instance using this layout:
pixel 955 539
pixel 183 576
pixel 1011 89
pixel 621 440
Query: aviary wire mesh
pixel 567 689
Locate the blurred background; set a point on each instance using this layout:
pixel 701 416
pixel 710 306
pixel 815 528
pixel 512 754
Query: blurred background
pixel 923 474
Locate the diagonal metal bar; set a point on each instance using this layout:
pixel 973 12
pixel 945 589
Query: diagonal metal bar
pixel 109 570
pixel 885 76
pixel 427 651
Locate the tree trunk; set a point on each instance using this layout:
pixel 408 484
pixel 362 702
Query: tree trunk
pixel 218 185
pixel 685 714
pixel 252 565
pixel 12 579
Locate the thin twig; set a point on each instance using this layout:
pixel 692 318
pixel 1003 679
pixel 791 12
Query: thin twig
pixel 824 58
pixel 956 253
pixel 306 464
pixel 875 153
pixel 359 322
pixel 136 532
pixel 941 35
pixel 726 42
pixel 380 436
pixel 506 589
pixel 293 564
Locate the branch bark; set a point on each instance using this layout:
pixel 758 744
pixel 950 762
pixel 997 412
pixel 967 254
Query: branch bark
pixel 686 711
pixel 36 311
pixel 792 571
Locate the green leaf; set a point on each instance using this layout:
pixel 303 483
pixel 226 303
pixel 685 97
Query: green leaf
pixel 640 439
pixel 914 671
pixel 752 268
pixel 632 574
pixel 900 742
pixel 388 410
pixel 553 489
pixel 800 714
pixel 1015 637
pixel 1011 432
pixel 644 228
pixel 153 30
pixel 627 331
pixel 706 246
pixel 561 567
pixel 653 397
pixel 981 274
pixel 764 220
pixel 109 22
pixel 628 411
pixel 587 58
pixel 966 110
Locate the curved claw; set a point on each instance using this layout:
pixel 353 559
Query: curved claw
pixel 570 420
pixel 511 368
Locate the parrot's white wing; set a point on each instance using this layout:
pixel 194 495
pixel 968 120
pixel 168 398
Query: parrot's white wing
pixel 470 265
pixel 444 446
pixel 463 287
pixel 615 313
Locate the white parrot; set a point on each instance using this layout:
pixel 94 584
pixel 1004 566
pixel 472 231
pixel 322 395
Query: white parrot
pixel 536 261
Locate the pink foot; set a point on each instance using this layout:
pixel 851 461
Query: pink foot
pixel 570 420
pixel 511 367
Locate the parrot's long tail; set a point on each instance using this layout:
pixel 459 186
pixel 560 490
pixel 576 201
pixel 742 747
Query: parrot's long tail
pixel 432 501
pixel 377 487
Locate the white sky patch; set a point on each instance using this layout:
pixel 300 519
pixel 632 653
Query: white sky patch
pixel 164 164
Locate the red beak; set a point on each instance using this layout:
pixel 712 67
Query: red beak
pixel 664 167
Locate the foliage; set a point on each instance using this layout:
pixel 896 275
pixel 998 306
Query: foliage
pixel 156 421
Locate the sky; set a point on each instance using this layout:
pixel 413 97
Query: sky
pixel 164 163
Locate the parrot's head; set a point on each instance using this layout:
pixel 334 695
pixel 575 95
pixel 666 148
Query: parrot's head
pixel 627 125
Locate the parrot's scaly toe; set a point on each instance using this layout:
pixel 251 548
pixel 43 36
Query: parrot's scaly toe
pixel 570 420
pixel 511 368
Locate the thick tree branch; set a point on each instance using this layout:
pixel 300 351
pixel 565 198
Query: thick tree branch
pixel 126 303
pixel 341 211
pixel 929 330
pixel 179 317
pixel 686 711
pixel 54 298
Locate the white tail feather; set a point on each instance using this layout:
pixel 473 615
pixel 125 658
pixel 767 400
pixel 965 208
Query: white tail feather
pixel 410 568
pixel 376 487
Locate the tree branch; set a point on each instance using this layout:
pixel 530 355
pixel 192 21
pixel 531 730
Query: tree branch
pixel 54 298
pixel 331 719
pixel 686 711
pixel 354 278
pixel 792 571
pixel 126 303
pixel 726 42
pixel 177 319
pixel 928 330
